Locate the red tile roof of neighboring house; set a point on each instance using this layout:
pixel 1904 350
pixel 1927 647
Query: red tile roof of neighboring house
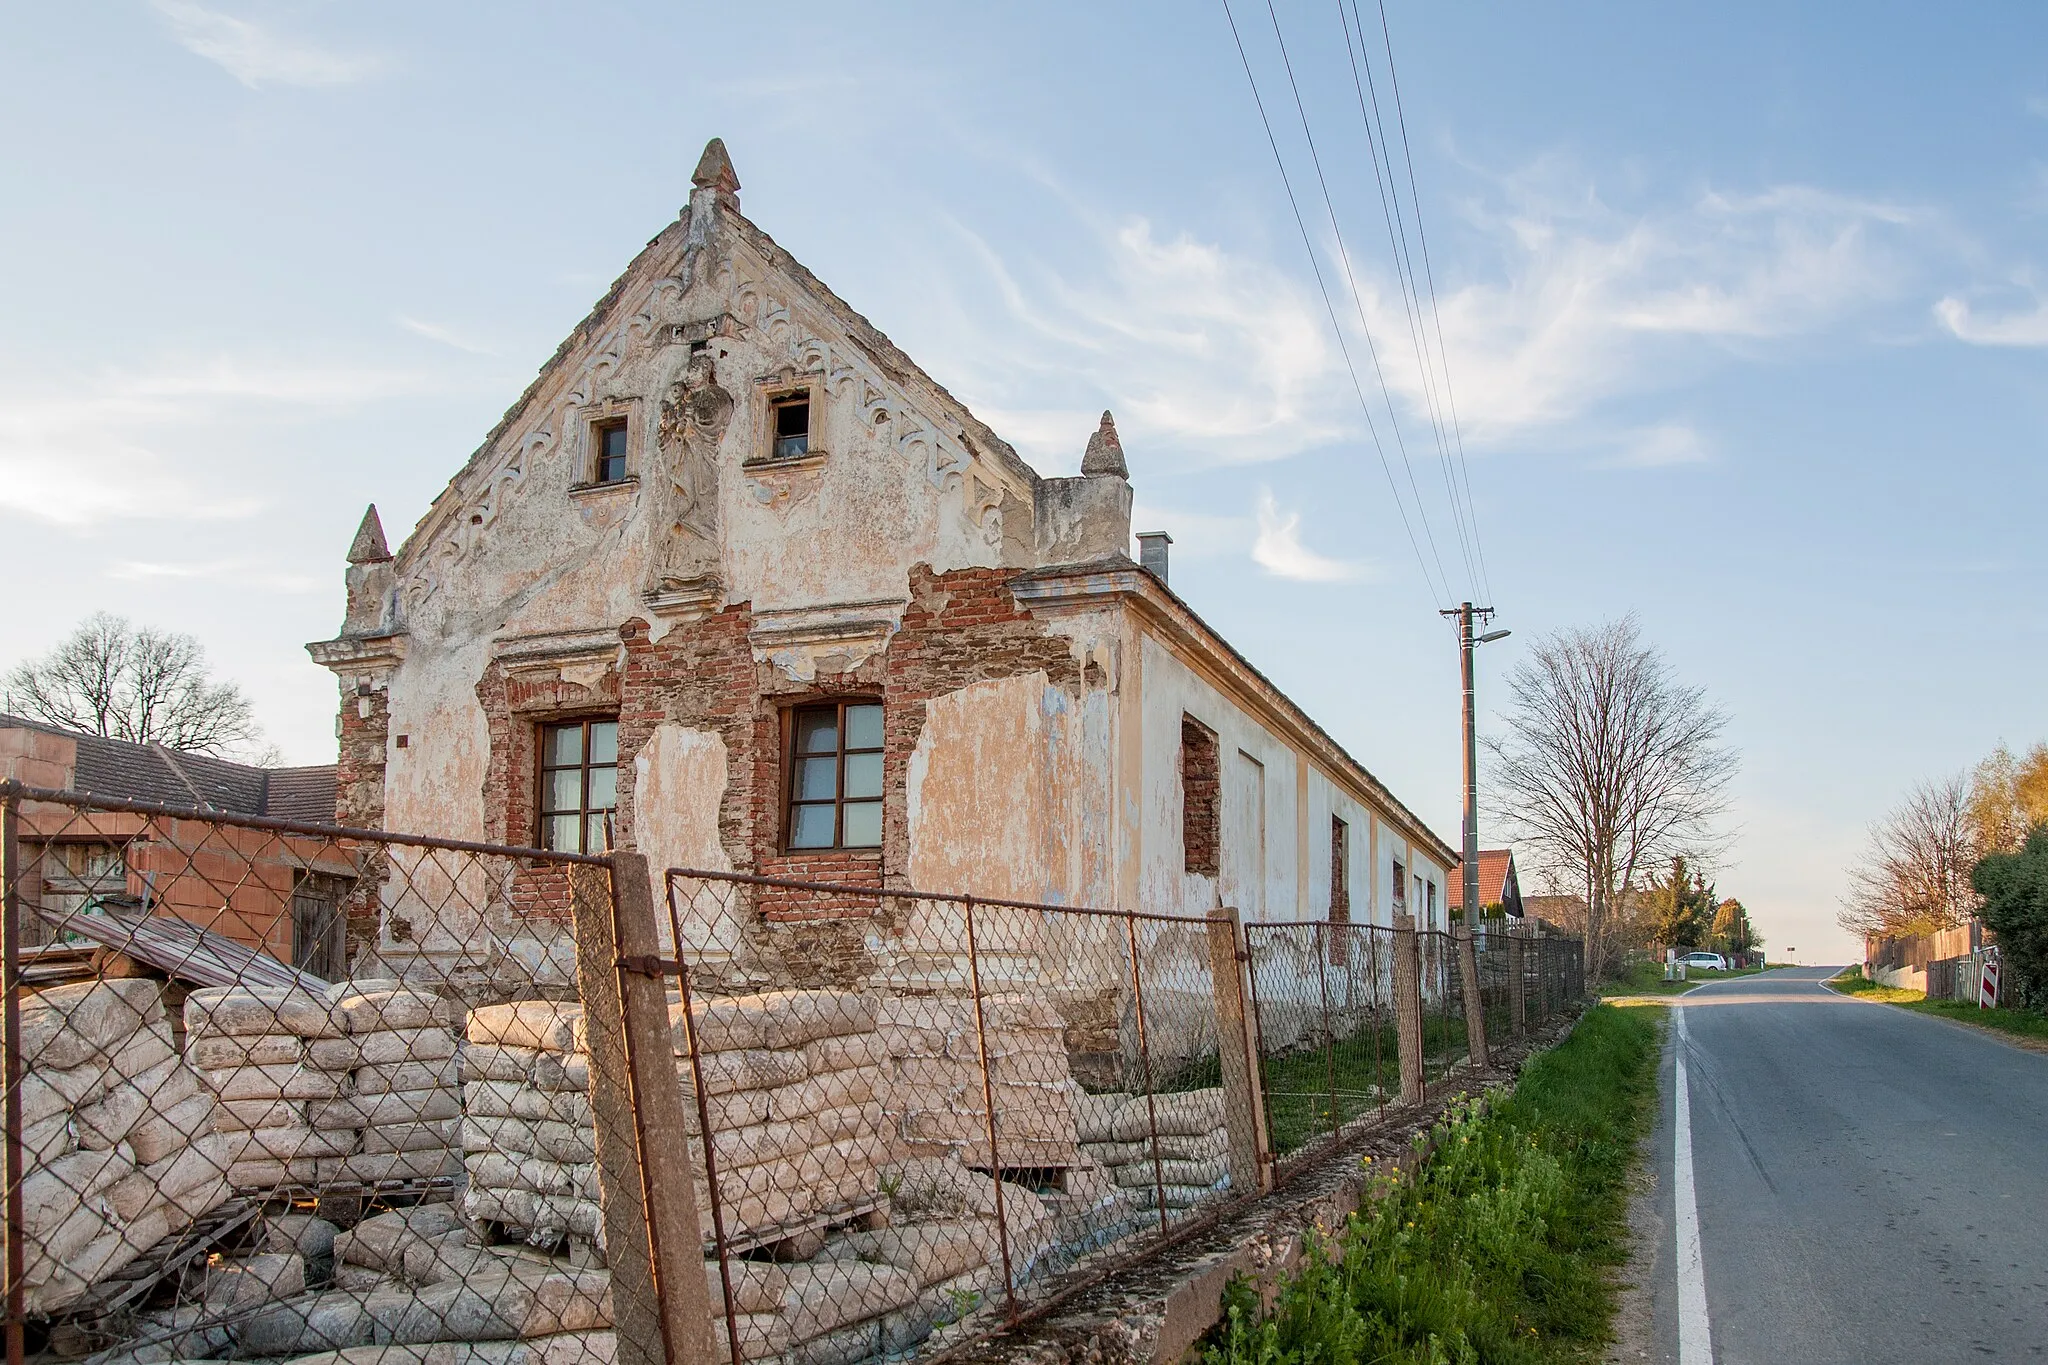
pixel 1494 866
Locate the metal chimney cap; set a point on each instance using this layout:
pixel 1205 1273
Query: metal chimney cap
pixel 1152 552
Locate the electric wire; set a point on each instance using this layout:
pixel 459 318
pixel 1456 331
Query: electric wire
pixel 1429 275
pixel 1358 302
pixel 1315 265
pixel 1404 272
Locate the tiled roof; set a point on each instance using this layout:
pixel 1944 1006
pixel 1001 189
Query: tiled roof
pixel 121 771
pixel 1493 875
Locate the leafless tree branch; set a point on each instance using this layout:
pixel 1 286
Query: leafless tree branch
pixel 139 684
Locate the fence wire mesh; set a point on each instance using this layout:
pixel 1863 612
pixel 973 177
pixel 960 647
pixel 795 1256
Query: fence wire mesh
pixel 279 1090
pixel 923 1112
pixel 224 1145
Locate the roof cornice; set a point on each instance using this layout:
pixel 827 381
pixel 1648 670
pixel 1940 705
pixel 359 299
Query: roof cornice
pixel 1074 586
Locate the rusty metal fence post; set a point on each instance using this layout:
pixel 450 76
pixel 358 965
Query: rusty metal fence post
pixel 660 1299
pixel 1475 1003
pixel 10 955
pixel 1244 1105
pixel 1408 1007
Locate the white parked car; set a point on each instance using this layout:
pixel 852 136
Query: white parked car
pixel 1704 962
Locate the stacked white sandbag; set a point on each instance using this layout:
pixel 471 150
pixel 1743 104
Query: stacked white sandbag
pixel 940 1100
pixel 794 1082
pixel 1191 1159
pixel 352 1086
pixel 403 1092
pixel 529 1147
pixel 114 1134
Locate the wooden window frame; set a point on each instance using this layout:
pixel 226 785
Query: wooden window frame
pixel 599 426
pixel 542 768
pixel 790 717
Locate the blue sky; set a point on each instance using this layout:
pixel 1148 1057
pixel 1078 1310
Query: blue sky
pixel 1745 307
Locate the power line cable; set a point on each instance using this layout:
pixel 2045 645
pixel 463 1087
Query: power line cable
pixel 1404 274
pixel 1358 301
pixel 1329 306
pixel 1429 274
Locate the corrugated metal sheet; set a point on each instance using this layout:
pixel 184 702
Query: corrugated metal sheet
pixel 188 952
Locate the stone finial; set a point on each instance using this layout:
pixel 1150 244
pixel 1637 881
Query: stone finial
pixel 368 546
pixel 714 169
pixel 1105 453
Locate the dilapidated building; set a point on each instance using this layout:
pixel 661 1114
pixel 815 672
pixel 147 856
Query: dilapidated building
pixel 736 583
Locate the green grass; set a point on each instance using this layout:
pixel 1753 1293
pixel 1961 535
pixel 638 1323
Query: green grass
pixel 1647 978
pixel 1500 1249
pixel 2020 1023
pixel 1364 1069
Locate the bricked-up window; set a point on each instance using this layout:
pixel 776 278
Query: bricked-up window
pixel 790 415
pixel 835 775
pixel 1400 887
pixel 1200 804
pixel 608 439
pixel 1340 871
pixel 579 783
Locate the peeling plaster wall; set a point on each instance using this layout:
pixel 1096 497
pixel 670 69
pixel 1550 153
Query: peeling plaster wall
pixel 679 782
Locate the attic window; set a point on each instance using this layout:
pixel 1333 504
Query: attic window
pixel 608 439
pixel 790 425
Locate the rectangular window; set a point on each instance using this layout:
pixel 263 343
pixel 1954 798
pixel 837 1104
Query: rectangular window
pixel 1400 887
pixel 790 416
pixel 835 776
pixel 579 784
pixel 1430 890
pixel 1200 803
pixel 609 440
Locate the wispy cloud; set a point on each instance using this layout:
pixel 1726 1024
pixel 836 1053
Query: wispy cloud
pixel 1661 446
pixel 445 336
pixel 1279 551
pixel 256 55
pixel 82 450
pixel 2024 328
pixel 244 572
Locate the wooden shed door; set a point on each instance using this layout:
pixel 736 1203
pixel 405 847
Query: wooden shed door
pixel 319 935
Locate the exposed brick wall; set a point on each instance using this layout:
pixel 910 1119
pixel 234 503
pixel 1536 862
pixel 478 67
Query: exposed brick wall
pixel 1200 793
pixel 359 802
pixel 515 706
pixel 1340 871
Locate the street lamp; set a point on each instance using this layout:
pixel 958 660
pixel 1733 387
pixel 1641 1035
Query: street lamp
pixel 1465 613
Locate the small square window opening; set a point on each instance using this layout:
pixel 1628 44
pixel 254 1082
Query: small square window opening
pixel 609 439
pixel 791 415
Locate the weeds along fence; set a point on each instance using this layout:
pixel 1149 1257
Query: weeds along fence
pixel 275 1090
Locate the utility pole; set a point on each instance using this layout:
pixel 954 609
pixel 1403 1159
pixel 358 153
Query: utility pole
pixel 1466 612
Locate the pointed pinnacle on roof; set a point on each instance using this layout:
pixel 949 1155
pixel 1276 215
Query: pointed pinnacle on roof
pixel 714 169
pixel 368 546
pixel 1105 453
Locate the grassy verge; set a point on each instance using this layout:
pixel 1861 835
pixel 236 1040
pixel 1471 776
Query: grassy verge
pixel 2020 1023
pixel 1647 978
pixel 1500 1250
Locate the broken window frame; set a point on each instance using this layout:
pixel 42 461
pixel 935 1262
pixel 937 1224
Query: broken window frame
pixel 794 802
pixel 794 446
pixel 545 813
pixel 600 432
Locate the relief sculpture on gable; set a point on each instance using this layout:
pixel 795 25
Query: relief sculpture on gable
pixel 694 416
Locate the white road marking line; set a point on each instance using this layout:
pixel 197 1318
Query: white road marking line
pixel 1695 1332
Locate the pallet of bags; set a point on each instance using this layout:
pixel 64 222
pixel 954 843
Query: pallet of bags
pixel 940 1101
pixel 116 1136
pixel 529 1146
pixel 1190 1162
pixel 793 1086
pixel 353 1085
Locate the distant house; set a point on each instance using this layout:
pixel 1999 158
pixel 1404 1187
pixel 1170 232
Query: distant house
pixel 276 893
pixel 1498 884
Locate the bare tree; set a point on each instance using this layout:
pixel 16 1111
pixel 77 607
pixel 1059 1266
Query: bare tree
pixel 1609 765
pixel 139 684
pixel 1914 876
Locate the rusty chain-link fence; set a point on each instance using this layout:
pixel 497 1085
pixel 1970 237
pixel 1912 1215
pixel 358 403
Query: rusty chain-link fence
pixel 276 1091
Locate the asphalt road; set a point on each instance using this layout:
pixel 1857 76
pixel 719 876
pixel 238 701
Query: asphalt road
pixel 1870 1184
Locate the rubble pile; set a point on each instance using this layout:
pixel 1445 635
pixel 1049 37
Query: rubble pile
pixel 1191 1163
pixel 939 1101
pixel 115 1150
pixel 356 1085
